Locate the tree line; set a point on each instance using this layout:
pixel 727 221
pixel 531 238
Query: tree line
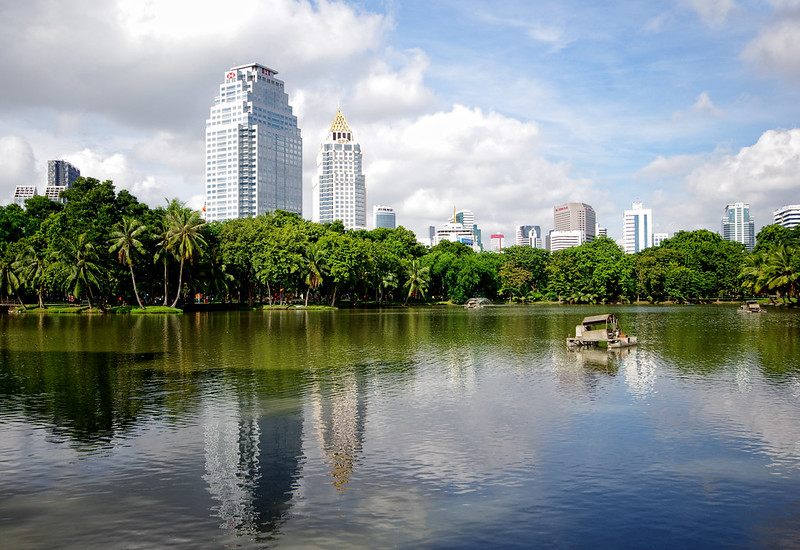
pixel 107 248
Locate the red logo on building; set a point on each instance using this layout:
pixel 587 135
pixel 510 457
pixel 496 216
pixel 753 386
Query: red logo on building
pixel 230 75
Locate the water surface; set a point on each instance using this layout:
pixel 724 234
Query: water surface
pixel 407 428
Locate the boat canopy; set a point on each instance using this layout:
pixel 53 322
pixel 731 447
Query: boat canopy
pixel 594 319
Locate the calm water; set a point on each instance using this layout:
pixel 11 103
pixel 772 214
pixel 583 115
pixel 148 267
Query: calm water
pixel 440 428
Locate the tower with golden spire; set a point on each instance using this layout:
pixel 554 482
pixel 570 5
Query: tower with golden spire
pixel 339 191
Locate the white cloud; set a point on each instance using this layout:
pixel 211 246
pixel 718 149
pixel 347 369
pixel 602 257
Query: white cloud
pixel 17 166
pixel 766 175
pixel 397 91
pixel 776 49
pixel 713 12
pixel 704 106
pixel 470 159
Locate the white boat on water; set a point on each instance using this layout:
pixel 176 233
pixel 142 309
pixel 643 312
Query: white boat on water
pixel 600 330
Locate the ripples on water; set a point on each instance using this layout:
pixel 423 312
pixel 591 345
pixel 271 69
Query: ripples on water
pixel 440 429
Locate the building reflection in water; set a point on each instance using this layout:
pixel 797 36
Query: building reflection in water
pixel 252 462
pixel 340 410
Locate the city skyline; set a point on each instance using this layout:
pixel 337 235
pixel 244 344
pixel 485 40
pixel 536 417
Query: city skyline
pixel 685 105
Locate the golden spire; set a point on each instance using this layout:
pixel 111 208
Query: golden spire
pixel 339 123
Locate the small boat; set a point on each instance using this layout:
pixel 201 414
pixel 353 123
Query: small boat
pixel 600 329
pixel 477 303
pixel 751 306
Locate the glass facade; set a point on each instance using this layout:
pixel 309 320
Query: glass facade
pixel 254 150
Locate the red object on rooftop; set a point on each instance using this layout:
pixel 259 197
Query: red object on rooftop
pixel 500 237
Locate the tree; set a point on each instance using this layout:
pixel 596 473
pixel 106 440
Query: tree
pixel 418 279
pixel 125 242
pixel 32 264
pixel 9 281
pixel 184 239
pixel 77 265
pixel 316 267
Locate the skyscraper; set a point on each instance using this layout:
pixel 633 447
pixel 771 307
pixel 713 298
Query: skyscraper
pixel 637 228
pixel 788 216
pixel 737 225
pixel 528 235
pixel 340 191
pixel 575 216
pixel 384 217
pixel 61 173
pixel 254 151
pixel 60 177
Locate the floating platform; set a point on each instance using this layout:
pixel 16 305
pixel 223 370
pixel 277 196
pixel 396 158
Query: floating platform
pixel 600 330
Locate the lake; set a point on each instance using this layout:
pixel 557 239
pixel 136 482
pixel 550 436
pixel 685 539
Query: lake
pixel 403 428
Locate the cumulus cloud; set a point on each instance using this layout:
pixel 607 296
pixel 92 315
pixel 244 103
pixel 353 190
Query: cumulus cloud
pixel 470 159
pixel 766 175
pixel 776 49
pixel 18 166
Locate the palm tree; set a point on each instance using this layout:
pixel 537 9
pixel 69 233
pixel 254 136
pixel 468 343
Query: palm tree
pixel 9 280
pixel 124 241
pixel 418 279
pixel 163 254
pixel 184 239
pixel 32 264
pixel 780 270
pixel 76 264
pixel 754 272
pixel 388 282
pixel 316 267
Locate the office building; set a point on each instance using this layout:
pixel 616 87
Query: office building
pixel 460 228
pixel 23 193
pixel 340 191
pixel 467 219
pixel 738 226
pixel 559 240
pixel 637 228
pixel 254 158
pixel 528 235
pixel 575 216
pixel 384 216
pixel 788 216
pixel 659 238
pixel 600 231
pixel 61 173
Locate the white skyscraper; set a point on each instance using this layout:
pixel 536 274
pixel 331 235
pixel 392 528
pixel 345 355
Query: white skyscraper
pixel 788 216
pixel 738 226
pixel 254 158
pixel 340 191
pixel 637 228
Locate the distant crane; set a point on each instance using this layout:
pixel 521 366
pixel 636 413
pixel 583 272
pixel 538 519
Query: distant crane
pixel 500 237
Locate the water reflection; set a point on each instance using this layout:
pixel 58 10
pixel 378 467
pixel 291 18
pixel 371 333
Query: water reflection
pixel 252 461
pixel 401 428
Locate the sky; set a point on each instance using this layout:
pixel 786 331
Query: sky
pixel 506 108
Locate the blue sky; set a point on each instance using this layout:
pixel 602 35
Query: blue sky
pixel 504 108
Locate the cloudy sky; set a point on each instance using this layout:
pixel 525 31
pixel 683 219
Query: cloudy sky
pixel 506 108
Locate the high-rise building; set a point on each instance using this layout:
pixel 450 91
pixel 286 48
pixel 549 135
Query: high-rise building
pixel 575 216
pixel 460 228
pixel 637 228
pixel 254 151
pixel 340 191
pixel 559 240
pixel 384 216
pixel 788 216
pixel 659 238
pixel 528 235
pixel 23 193
pixel 61 173
pixel 737 225
pixel 60 177
pixel 467 219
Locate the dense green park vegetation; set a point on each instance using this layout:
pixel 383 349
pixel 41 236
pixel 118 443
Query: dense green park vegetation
pixel 104 248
